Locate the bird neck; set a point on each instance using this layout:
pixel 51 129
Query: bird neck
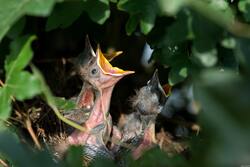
pixel 99 113
pixel 149 131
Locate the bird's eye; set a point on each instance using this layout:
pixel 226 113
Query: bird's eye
pixel 94 71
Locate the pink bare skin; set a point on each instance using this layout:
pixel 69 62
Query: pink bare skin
pixel 104 83
pixel 99 80
pixel 86 99
pixel 98 116
pixel 147 142
pixel 116 137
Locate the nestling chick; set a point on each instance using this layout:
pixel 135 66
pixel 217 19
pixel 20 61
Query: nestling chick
pixel 139 130
pixel 99 79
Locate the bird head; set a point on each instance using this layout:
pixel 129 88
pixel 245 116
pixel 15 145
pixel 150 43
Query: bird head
pixel 150 99
pixel 97 74
pixel 96 69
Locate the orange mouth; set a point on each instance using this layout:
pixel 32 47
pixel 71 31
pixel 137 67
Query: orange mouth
pixel 112 54
pixel 167 89
pixel 107 68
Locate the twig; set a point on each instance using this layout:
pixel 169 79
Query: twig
pixel 1 83
pixel 12 97
pixel 67 121
pixel 32 134
pixel 15 119
pixel 51 102
pixel 4 164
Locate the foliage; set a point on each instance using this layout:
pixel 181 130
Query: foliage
pixel 203 41
pixel 19 84
pixel 20 8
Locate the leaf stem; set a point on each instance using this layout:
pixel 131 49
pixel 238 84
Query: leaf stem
pixel 51 101
pixel 31 132
pixel 3 163
pixel 65 120
pixel 1 83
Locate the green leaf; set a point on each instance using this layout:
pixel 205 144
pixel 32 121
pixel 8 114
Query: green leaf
pixel 11 148
pixel 227 59
pixel 177 74
pixel 49 98
pixel 229 43
pixel 244 7
pixel 158 37
pixel 97 10
pixel 44 88
pixel 17 28
pixel 100 162
pixel 132 24
pixel 146 26
pixel 64 14
pixel 74 156
pixel 22 59
pixel 19 84
pixel 171 7
pixel 181 29
pixel 171 55
pixel 12 10
pixel 176 58
pixel 206 58
pixel 224 99
pixel 39 8
pixel 17 152
pixel 23 85
pixel 5 103
pixel 221 4
pixel 145 10
pixel 206 34
pixel 247 14
pixel 15 48
pixel 156 157
pixel 242 53
pixel 64 104
pixel 3 127
pixel 217 12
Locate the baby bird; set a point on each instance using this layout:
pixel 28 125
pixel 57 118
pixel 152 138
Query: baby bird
pixel 99 78
pixel 139 129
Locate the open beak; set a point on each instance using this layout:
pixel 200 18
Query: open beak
pixel 167 89
pixel 107 68
pixel 87 96
pixel 85 58
pixel 88 51
pixel 111 54
pixel 156 87
pixel 89 92
pixel 154 81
